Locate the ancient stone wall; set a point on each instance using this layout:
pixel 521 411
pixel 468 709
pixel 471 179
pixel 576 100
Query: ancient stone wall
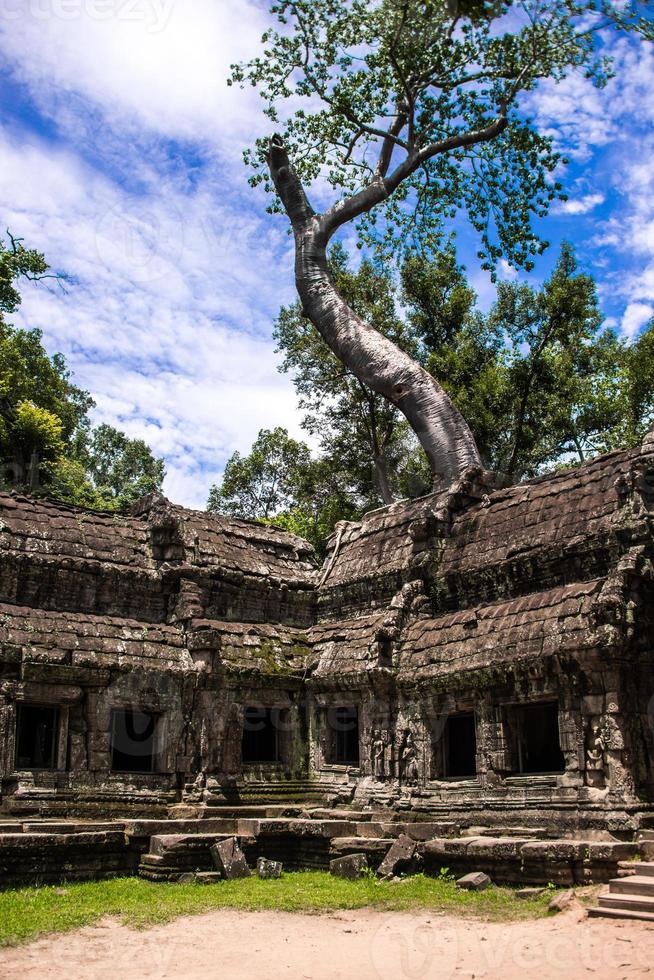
pixel 415 670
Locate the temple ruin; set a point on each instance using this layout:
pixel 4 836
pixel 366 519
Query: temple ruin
pixel 480 658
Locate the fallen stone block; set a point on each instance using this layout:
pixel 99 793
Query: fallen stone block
pixel 208 877
pixel 527 893
pixel 269 869
pixel 200 878
pixel 563 901
pixel 229 859
pixel 476 881
pixel 352 866
pixel 375 849
pixel 400 857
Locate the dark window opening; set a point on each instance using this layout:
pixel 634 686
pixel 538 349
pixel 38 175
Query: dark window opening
pixel 343 724
pixel 166 543
pixel 36 737
pixel 538 745
pixel 460 746
pixel 133 737
pixel 260 735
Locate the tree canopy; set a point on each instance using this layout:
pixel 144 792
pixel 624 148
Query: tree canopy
pixel 279 483
pixel 413 109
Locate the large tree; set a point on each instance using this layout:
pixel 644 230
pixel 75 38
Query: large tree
pixel 413 113
pixel 266 481
pixel 358 430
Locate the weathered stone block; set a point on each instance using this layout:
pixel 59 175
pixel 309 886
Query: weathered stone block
pixel 269 869
pixel 527 893
pixel 229 859
pixel 476 881
pixel 400 858
pixel 352 866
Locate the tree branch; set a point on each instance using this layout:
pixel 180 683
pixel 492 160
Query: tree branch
pixel 287 184
pixel 382 187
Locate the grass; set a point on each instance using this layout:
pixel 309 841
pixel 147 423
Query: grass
pixel 27 913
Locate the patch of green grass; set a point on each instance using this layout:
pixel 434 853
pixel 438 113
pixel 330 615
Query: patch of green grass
pixel 26 913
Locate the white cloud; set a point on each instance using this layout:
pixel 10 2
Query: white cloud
pixel 636 316
pixel 581 205
pixel 506 271
pixel 168 317
pixel 162 64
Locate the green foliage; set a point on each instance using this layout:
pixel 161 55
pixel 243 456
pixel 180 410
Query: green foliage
pixel 120 469
pixel 29 377
pixel 540 380
pixel 426 98
pixel 36 430
pixel 559 373
pixel 279 483
pixel 27 913
pixel 266 481
pixel 634 392
pixel 17 262
pixel 46 441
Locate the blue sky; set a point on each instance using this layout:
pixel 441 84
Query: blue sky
pixel 120 158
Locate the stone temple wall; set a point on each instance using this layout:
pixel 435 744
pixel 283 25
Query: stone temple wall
pixel 484 654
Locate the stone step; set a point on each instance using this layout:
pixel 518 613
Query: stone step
pixel 629 903
pixel 644 868
pixel 634 885
pixel 537 833
pixel 605 913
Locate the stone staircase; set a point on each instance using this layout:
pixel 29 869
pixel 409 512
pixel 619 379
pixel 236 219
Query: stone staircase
pixel 631 897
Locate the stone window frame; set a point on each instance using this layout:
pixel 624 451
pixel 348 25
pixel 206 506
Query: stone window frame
pixel 322 706
pixel 279 742
pixel 286 738
pixel 444 748
pixel 515 774
pixel 454 706
pixel 45 698
pixel 108 700
pixel 159 741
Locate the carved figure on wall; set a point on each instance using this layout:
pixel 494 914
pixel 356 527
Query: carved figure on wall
pixel 595 749
pixel 197 791
pixel 379 752
pixel 408 759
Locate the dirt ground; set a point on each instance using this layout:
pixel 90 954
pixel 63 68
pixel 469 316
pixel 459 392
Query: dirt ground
pixel 364 944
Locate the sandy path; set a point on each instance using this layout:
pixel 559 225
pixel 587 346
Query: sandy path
pixel 364 944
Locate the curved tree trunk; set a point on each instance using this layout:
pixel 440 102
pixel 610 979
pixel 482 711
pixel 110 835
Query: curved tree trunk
pixel 373 358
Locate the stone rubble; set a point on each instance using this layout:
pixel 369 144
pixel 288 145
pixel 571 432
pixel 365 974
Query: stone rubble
pixel 229 859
